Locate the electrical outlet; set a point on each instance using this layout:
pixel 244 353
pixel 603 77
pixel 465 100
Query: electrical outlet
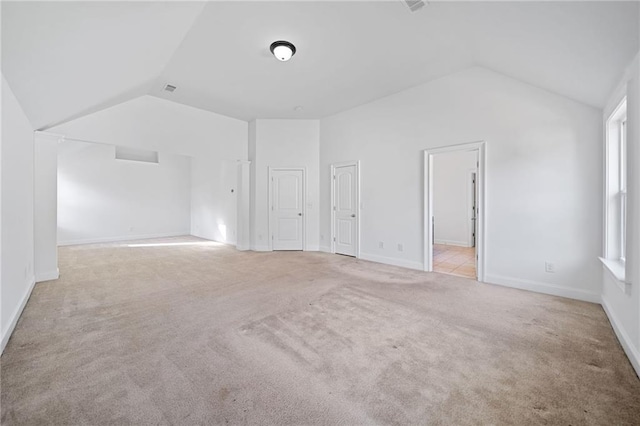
pixel 549 267
pixel 381 245
pixel 400 247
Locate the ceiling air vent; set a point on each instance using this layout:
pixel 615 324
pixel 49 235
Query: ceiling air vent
pixel 415 5
pixel 169 88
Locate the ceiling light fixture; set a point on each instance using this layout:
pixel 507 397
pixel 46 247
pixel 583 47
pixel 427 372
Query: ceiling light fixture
pixel 282 50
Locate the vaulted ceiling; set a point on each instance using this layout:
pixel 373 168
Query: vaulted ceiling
pixel 67 59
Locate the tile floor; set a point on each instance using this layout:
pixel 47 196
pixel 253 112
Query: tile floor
pixel 454 260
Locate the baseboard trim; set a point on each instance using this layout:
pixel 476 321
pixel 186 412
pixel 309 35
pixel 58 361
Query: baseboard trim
pixel 544 288
pixel 122 238
pixel 625 341
pixel 325 249
pixel 392 261
pixel 47 276
pixel 204 237
pixel 312 248
pixel 261 248
pixel 226 243
pixel 452 243
pixel 6 334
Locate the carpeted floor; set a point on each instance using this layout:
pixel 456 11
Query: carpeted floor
pixel 187 332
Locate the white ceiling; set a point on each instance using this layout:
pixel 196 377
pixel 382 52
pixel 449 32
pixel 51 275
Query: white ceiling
pixel 67 59
pixel 64 60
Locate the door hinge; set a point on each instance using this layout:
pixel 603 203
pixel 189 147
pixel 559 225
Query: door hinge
pixel 334 208
pixel 334 177
pixel 334 238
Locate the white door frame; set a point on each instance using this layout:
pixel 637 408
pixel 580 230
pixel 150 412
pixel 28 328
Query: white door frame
pixel 304 203
pixel 470 198
pixel 480 147
pixel 333 204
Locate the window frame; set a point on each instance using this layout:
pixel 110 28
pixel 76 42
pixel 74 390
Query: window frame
pixel 622 167
pixel 615 196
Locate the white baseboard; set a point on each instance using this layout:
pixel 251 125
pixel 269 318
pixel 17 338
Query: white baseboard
pixel 47 276
pixel 6 334
pixel 226 243
pixel 266 248
pixel 205 237
pixel 122 238
pixel 325 249
pixel 545 288
pixel 632 353
pixel 392 261
pixel 452 243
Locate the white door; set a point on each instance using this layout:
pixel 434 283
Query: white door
pixel 287 209
pixel 345 210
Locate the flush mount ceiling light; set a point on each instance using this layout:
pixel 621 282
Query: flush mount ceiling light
pixel 282 50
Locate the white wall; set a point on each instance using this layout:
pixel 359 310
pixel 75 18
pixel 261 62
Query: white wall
pixel 623 307
pixel 45 218
pixel 213 205
pixel 544 175
pixel 17 274
pixel 214 142
pixel 252 152
pixel 101 198
pixel 283 143
pixel 243 196
pixel 452 197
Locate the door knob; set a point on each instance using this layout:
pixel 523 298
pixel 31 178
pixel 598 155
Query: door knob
pixel 299 214
pixel 353 215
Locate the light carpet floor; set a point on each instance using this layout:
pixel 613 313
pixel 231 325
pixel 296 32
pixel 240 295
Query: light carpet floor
pixel 187 332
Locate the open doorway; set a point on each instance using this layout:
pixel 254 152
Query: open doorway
pixel 454 205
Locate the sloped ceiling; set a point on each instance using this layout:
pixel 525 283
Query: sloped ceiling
pixel 67 59
pixel 64 60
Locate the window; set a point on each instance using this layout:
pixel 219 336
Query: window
pixel 616 191
pixel 622 191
